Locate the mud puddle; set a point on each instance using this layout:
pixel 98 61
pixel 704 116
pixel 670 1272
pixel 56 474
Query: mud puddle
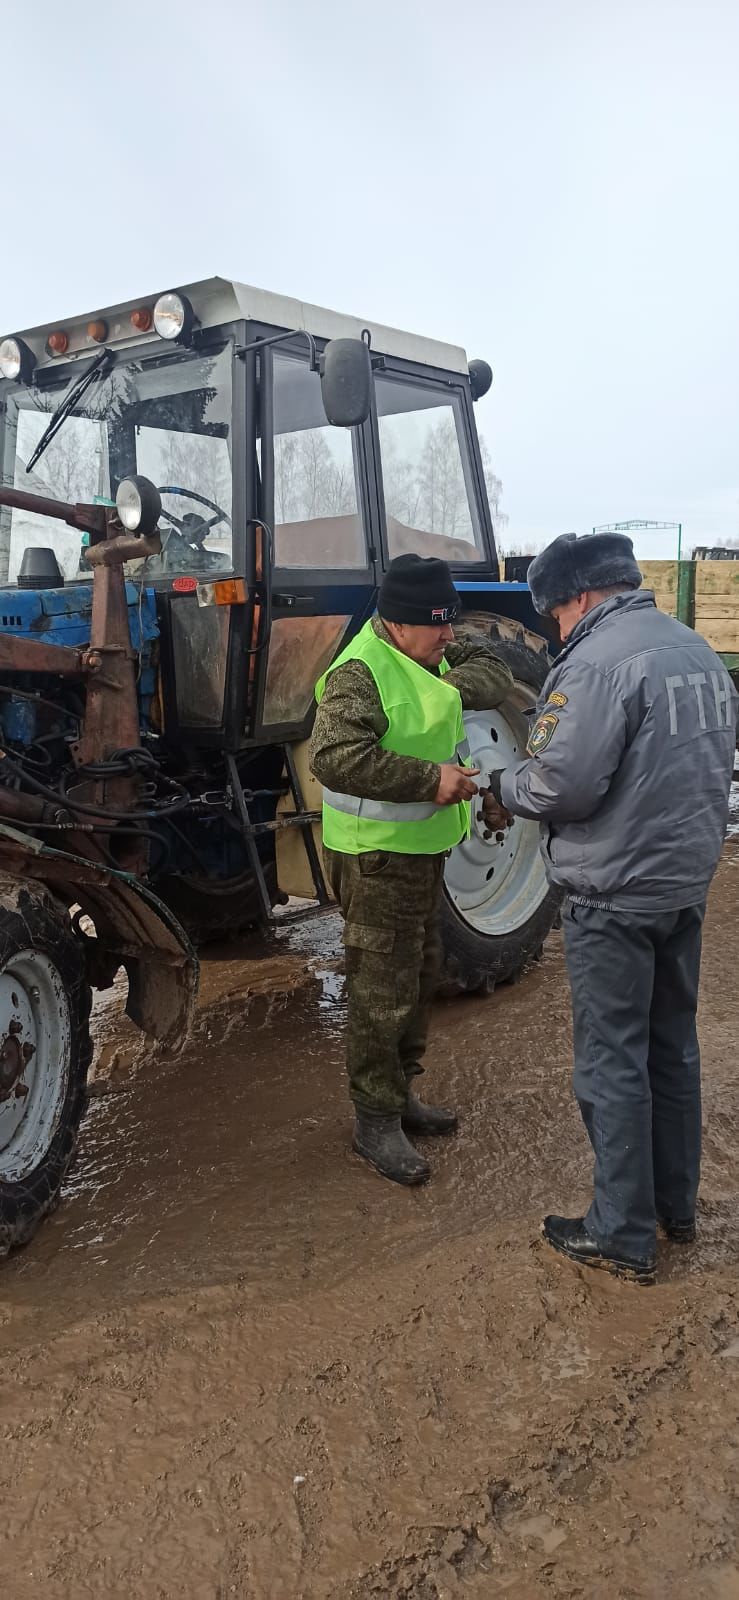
pixel 237 1363
pixel 233 1159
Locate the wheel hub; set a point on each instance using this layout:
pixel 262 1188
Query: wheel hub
pixel 489 837
pixel 12 1062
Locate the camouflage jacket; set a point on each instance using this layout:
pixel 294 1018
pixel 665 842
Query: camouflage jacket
pixel 345 750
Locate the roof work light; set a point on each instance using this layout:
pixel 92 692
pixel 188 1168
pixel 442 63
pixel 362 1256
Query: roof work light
pixel 16 360
pixel 174 318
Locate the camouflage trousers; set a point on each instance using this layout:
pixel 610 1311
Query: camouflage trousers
pixel 390 905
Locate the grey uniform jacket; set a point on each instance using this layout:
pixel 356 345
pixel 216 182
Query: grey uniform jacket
pixel 631 758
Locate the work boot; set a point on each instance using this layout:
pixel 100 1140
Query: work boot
pixel 379 1137
pixel 418 1118
pixel 680 1229
pixel 570 1237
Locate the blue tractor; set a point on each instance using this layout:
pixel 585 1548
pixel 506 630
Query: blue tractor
pixel 199 493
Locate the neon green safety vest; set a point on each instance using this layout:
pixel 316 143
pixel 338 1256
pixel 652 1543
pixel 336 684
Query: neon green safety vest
pixel 424 720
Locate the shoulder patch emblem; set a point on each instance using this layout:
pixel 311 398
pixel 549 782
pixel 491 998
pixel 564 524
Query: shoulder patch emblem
pixel 542 732
pixel 557 699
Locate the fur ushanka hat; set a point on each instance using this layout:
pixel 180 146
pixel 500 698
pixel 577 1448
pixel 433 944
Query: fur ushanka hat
pixel 570 566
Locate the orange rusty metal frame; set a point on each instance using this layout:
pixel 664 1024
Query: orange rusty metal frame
pixel 108 664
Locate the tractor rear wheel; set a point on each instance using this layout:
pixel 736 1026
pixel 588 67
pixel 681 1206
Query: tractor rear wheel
pixel 497 907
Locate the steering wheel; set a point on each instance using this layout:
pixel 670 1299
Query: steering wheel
pixel 184 544
pixel 206 523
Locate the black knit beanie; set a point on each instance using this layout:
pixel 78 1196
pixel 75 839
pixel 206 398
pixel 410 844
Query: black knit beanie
pixel 570 566
pixel 418 589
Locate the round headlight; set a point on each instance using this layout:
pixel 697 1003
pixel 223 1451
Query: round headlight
pixel 138 504
pixel 16 360
pixel 173 317
pixel 10 358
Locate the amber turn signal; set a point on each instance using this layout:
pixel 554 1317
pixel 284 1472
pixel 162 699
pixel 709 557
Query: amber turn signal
pixel 224 592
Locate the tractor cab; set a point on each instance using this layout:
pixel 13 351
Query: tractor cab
pixel 218 395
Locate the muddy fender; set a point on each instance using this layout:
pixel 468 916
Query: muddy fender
pixel 133 929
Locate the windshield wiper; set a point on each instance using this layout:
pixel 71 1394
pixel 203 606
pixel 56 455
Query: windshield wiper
pixel 89 376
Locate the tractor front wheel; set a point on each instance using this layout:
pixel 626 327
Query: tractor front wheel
pixel 45 1052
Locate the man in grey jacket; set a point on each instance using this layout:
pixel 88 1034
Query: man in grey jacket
pixel 630 761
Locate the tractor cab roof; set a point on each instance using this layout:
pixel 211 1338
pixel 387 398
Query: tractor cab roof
pixel 219 300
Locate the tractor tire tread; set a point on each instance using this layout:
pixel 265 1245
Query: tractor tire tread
pixel 30 914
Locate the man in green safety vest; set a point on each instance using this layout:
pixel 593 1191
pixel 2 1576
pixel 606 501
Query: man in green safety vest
pixel 388 746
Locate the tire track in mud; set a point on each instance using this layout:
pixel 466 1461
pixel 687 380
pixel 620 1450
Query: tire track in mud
pixel 494 1429
pixel 503 1538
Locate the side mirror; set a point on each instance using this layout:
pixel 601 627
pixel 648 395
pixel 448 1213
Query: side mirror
pixel 346 382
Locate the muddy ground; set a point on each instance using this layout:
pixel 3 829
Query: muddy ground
pixel 236 1363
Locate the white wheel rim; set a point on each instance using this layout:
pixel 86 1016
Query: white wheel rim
pixel 35 1048
pixel 497 884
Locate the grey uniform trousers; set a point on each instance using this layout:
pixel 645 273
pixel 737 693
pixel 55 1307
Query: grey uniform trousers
pixel 634 979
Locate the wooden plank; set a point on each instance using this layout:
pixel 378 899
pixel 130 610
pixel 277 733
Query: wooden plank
pixel 722 606
pixel 660 575
pixel 716 597
pixel 717 577
pixel 723 636
pixel 666 600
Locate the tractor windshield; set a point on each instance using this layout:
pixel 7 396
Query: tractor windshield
pixel 167 416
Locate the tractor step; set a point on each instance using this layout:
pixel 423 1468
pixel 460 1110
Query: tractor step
pixel 300 818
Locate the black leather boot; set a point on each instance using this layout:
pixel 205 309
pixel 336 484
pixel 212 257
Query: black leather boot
pixel 570 1237
pixel 680 1229
pixel 381 1140
pixel 418 1118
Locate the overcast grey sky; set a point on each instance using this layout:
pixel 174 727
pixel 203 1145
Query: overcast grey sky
pixel 552 183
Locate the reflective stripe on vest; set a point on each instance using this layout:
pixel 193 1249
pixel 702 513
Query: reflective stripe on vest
pixel 424 721
pixel 384 810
